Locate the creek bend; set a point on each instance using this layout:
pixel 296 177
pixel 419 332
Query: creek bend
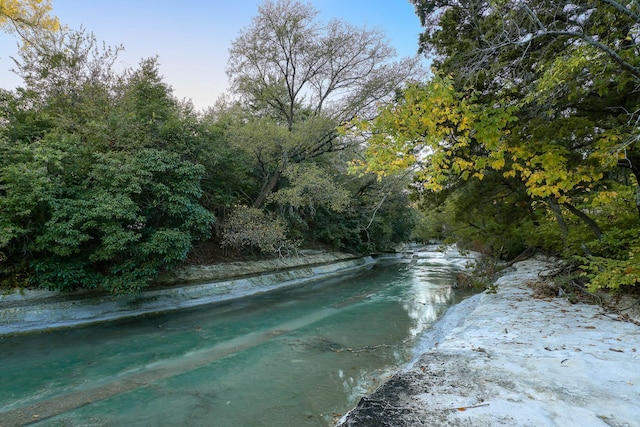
pixel 299 356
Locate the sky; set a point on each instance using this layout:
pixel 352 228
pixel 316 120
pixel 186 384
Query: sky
pixel 192 37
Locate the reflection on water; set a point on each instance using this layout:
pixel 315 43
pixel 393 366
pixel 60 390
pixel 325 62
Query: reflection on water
pixel 431 293
pixel 297 357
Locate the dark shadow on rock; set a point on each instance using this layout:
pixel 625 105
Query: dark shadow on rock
pixel 381 409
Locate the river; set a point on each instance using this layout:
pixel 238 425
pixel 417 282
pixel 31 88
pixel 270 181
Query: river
pixel 296 357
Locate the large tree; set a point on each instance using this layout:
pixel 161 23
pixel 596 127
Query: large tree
pixel 303 80
pixel 97 189
pixel 579 58
pixel 532 98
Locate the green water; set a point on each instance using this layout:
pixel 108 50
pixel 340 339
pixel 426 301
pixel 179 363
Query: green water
pixel 298 357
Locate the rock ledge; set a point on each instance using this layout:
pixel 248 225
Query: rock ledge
pixel 33 310
pixel 509 359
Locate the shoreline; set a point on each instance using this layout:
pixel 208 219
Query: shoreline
pixel 510 359
pixel 38 310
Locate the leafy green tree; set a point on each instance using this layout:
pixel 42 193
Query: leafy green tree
pixel 102 194
pixel 298 82
pixel 310 187
pixel 229 175
pixel 535 98
pixel 571 62
pixel 303 79
pixel 378 216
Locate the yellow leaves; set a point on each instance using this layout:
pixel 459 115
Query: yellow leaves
pixel 464 124
pixel 536 191
pixel 27 13
pixel 498 162
pixel 430 184
pixel 458 138
pixel 536 177
pixel 445 127
pixel 461 165
pixel 356 165
pixel 604 198
pixel 510 174
pixel 403 162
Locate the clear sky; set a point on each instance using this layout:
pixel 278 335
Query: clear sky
pixel 192 37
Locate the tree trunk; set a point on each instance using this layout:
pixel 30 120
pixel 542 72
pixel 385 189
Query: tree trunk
pixel 633 163
pixel 267 189
pixel 555 208
pixel 585 218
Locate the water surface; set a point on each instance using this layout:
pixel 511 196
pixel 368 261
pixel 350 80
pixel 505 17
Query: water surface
pixel 296 357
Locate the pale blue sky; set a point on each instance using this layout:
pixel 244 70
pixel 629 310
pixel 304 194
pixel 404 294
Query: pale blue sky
pixel 192 37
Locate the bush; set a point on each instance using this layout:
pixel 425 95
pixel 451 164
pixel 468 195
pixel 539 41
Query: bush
pixel 254 228
pixel 130 216
pixel 618 270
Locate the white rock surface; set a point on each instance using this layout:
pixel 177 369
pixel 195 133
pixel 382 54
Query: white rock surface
pixel 30 311
pixel 509 359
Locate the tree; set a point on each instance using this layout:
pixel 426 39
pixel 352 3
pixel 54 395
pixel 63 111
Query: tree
pixel 539 99
pixel 570 66
pixel 567 61
pixel 606 25
pixel 21 15
pixel 307 78
pixel 101 194
pixel 229 179
pixel 255 228
pixel 68 78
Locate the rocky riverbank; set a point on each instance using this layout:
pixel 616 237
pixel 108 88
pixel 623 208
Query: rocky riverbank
pixel 36 310
pixel 512 359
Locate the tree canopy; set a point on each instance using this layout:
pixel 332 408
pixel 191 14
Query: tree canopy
pixel 303 79
pixel 526 135
pixel 539 103
pixel 107 180
pixel 94 194
pixel 21 15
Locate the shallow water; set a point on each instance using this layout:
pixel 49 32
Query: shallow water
pixel 296 357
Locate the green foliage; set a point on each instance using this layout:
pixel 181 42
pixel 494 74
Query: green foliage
pixel 301 79
pixel 131 215
pixel 310 187
pixel 106 179
pixel 99 194
pixel 340 232
pixel 527 134
pixel 614 273
pixel 255 228
pixel 486 215
pixel 614 260
pixel 430 226
pixel 378 217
